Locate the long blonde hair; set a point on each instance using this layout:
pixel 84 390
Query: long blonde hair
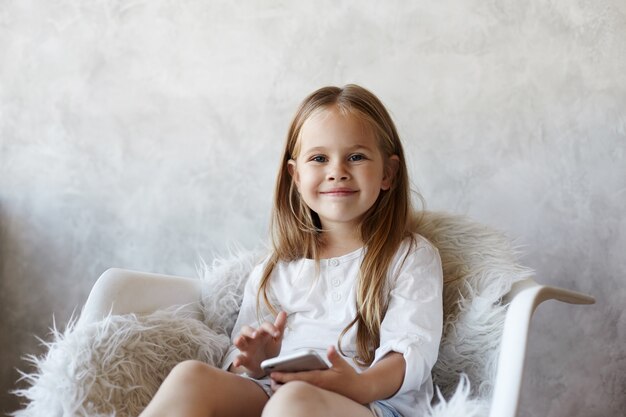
pixel 296 230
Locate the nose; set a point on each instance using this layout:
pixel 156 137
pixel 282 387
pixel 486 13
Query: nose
pixel 337 172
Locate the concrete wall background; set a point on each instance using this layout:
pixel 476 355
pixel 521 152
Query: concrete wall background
pixel 142 134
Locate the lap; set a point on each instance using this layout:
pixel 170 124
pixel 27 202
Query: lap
pixel 197 389
pixel 301 398
pixel 206 390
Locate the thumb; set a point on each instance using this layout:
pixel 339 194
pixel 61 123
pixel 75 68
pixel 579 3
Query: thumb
pixel 335 359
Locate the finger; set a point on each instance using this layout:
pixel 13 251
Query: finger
pixel 335 359
pixel 281 321
pixel 244 360
pixel 306 376
pixel 247 331
pixel 239 361
pixel 269 329
pixel 251 334
pixel 241 342
pixel 281 377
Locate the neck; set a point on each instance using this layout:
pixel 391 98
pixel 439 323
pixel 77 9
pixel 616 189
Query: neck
pixel 340 241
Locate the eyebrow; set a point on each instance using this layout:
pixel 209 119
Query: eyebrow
pixel 322 149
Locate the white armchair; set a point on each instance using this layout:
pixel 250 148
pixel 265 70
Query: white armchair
pixel 122 291
pixel 524 297
pixel 485 289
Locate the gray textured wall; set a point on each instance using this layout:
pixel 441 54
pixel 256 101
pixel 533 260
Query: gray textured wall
pixel 142 134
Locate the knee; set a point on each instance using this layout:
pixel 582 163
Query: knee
pixel 191 371
pixel 296 398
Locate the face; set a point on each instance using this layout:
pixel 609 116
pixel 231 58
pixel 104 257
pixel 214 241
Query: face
pixel 339 170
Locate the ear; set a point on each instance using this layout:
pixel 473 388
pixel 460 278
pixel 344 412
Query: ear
pixel 390 171
pixel 293 171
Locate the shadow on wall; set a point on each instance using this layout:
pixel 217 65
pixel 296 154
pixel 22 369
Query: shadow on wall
pixel 10 344
pixel 38 285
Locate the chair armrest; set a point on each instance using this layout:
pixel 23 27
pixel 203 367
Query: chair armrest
pixel 524 298
pixel 122 291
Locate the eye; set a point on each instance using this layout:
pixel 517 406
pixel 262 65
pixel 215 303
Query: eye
pixel 356 157
pixel 318 158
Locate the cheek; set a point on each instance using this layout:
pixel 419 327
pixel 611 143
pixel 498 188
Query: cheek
pixel 307 176
pixel 377 176
pixel 300 178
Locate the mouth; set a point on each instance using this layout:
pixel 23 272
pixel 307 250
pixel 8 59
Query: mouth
pixel 339 192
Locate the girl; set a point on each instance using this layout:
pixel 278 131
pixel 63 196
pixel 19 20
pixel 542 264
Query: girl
pixel 347 277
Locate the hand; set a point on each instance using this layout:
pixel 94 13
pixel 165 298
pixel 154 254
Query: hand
pixel 341 378
pixel 256 345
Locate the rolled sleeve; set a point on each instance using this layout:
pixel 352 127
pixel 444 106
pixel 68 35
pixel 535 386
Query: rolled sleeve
pixel 413 323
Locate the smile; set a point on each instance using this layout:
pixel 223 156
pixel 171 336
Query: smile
pixel 339 192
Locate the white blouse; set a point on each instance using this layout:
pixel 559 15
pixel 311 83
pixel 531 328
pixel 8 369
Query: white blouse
pixel 320 306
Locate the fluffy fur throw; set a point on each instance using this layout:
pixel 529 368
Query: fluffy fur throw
pixel 114 366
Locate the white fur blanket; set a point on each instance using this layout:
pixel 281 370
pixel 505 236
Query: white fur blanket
pixel 113 367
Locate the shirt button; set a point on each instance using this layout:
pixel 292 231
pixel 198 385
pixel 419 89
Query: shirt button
pixel 334 262
pixel 336 296
pixel 336 282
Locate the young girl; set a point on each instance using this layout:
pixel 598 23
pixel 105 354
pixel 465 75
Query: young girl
pixel 347 277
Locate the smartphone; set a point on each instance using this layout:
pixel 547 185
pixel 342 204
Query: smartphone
pixel 304 360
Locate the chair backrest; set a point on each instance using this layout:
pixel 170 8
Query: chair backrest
pixel 479 266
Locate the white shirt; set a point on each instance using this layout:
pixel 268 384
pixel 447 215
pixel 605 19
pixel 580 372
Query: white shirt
pixel 320 307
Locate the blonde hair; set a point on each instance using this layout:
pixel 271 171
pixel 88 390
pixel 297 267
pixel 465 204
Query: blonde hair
pixel 296 230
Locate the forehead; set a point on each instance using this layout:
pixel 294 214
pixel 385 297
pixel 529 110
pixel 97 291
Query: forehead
pixel 331 127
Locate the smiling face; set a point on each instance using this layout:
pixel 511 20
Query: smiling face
pixel 339 169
